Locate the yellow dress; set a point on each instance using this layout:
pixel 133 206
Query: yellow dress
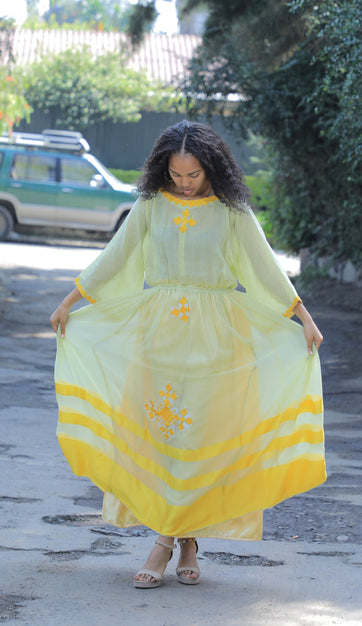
pixel 191 404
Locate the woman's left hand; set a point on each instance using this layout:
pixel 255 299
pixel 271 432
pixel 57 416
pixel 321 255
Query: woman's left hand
pixel 312 334
pixel 311 331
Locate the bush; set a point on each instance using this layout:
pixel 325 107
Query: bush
pixel 126 176
pixel 81 90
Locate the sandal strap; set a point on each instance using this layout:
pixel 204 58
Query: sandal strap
pixel 149 572
pixel 165 545
pixel 187 540
pixel 180 570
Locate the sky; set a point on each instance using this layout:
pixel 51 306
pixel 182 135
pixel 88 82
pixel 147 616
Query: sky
pixel 166 21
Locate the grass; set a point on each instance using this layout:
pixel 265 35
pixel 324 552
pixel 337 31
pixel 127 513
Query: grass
pixel 126 176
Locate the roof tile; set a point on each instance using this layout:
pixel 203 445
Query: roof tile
pixel 163 57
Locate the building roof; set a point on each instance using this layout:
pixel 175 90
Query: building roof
pixel 162 57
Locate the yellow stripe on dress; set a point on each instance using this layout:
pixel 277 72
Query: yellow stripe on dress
pixel 273 461
pixel 309 404
pixel 263 489
pixel 78 426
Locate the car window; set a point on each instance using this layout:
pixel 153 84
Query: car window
pixel 33 168
pixel 77 172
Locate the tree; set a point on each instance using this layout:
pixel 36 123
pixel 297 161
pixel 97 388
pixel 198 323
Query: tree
pixel 109 15
pixel 141 17
pixel 80 90
pixel 32 7
pixel 296 66
pixel 13 105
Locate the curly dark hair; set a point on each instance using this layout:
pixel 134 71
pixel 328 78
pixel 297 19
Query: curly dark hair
pixel 203 143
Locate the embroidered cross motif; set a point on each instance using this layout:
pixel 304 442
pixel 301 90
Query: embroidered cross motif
pixel 182 309
pixel 170 420
pixel 185 221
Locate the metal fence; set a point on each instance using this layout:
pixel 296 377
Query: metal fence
pixel 125 146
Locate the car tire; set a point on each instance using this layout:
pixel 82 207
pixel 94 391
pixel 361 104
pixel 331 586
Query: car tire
pixel 6 222
pixel 121 220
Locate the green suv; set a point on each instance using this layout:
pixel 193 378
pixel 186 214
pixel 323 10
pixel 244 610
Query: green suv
pixel 49 179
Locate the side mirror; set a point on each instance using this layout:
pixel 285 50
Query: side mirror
pixel 97 181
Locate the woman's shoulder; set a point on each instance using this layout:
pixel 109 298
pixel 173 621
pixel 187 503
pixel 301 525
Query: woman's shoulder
pixel 241 213
pixel 149 200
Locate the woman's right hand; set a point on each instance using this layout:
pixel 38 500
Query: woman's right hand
pixel 61 314
pixel 60 318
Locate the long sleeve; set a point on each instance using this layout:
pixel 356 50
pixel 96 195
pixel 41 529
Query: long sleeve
pixel 257 267
pixel 119 269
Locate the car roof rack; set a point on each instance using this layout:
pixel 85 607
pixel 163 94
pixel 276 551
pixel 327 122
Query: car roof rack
pixel 65 140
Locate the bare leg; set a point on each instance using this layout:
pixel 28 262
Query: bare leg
pixel 188 558
pixel 157 559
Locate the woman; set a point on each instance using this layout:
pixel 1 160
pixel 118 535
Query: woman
pixel 191 404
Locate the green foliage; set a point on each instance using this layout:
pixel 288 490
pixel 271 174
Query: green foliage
pixel 126 176
pixel 336 28
pixel 108 15
pixel 262 190
pixel 141 18
pixel 13 105
pixel 263 199
pixel 297 66
pixel 82 90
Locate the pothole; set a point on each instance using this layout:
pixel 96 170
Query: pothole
pixel 133 531
pixel 331 491
pixel 10 603
pixel 96 521
pixel 227 558
pixel 103 543
pixel 66 555
pixel 5 447
pixel 73 520
pixel 314 518
pixel 100 547
pixel 91 499
pixel 340 478
pixel 331 553
pixel 19 500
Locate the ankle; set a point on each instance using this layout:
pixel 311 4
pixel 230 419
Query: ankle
pixel 185 540
pixel 169 541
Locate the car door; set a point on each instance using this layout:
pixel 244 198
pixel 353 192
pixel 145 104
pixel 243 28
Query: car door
pixel 85 199
pixel 32 182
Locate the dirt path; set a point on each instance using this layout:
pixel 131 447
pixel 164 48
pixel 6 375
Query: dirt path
pixel 52 534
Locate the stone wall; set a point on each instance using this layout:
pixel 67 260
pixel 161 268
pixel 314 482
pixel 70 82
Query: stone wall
pixel 342 271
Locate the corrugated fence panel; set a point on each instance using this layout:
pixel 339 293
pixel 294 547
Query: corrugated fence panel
pixel 125 146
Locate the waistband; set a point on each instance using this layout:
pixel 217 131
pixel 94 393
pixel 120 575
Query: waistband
pixel 188 287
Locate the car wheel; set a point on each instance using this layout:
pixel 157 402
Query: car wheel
pixel 6 222
pixel 121 220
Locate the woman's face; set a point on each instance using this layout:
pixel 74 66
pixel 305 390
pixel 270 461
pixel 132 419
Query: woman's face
pixel 188 175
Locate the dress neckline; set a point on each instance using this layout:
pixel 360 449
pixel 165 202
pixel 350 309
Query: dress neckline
pixel 189 203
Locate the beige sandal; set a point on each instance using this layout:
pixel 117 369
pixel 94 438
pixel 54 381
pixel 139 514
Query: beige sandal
pixel 151 584
pixel 186 580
